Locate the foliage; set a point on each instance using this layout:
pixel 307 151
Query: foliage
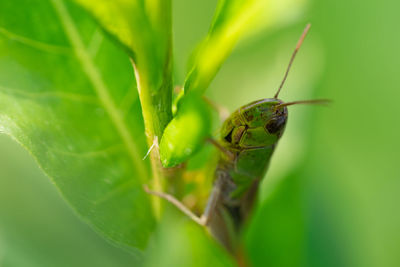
pixel 60 98
pixel 68 94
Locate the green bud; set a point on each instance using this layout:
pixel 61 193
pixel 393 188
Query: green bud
pixel 186 133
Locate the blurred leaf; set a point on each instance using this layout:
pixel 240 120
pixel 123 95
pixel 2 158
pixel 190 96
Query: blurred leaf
pixel 233 20
pixel 179 242
pixel 143 27
pixel 68 96
pixel 276 234
pixel 37 227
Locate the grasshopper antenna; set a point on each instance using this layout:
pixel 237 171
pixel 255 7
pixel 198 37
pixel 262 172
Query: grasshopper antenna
pixel 292 58
pixel 316 101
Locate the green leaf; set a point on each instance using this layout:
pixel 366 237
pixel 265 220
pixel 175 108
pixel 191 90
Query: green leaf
pixel 68 95
pixel 179 242
pixel 233 20
pixel 276 234
pixel 37 227
pixel 143 28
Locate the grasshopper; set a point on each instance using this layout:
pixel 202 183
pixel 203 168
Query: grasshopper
pixel 248 139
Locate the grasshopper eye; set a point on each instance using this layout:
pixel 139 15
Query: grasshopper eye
pixel 276 124
pixel 228 138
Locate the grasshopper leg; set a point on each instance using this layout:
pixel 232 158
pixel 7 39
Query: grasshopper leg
pixel 227 153
pixel 171 199
pixel 212 202
pixel 204 219
pixel 210 209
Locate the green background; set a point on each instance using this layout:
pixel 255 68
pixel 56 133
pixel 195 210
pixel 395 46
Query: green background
pixel 333 192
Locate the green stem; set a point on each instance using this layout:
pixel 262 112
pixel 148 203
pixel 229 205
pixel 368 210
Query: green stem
pixel 156 110
pixel 156 102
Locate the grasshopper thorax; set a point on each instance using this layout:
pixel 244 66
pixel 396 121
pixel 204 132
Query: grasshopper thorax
pixel 258 124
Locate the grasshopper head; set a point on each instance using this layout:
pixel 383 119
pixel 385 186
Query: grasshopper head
pixel 266 113
pixel 261 123
pixel 258 124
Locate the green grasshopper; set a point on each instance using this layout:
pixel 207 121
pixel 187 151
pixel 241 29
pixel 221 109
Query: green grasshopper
pixel 248 139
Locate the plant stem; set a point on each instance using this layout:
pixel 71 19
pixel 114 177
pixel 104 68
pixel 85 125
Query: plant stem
pixel 156 110
pixel 156 96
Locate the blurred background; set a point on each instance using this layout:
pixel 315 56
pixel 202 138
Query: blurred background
pixel 332 195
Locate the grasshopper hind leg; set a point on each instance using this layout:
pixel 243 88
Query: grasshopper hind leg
pixel 213 218
pixel 202 220
pixel 209 211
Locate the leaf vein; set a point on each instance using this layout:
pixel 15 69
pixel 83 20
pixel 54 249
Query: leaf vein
pixel 94 76
pixel 50 48
pixel 50 94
